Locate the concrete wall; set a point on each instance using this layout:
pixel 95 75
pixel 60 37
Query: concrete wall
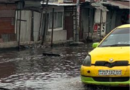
pixel 8 44
pixel 25 29
pixel 84 19
pixel 36 25
pixel 59 35
pixel 26 25
pixel 113 19
pixel 87 19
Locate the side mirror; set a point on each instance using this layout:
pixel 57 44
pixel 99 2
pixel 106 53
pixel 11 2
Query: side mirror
pixel 95 45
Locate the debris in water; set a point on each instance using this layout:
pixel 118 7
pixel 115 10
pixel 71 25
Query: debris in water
pixel 50 54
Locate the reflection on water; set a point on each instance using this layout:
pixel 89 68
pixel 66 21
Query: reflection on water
pixel 7 69
pixel 30 70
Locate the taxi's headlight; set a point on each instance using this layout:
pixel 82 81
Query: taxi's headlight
pixel 87 61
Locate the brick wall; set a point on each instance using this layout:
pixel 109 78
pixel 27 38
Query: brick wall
pixel 7 16
pixel 6 25
pixel 7 6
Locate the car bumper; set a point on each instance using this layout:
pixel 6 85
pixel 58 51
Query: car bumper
pixel 90 80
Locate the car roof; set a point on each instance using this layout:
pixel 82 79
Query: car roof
pixel 124 26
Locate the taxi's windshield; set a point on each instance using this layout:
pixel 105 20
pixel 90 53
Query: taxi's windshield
pixel 119 37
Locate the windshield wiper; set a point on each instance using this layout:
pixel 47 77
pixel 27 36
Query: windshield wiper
pixel 116 45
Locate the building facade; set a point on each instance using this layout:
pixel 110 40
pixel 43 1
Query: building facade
pixel 27 22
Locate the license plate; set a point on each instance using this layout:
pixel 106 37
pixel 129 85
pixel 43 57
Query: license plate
pixel 109 72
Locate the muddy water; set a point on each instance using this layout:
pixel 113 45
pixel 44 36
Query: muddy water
pixel 30 70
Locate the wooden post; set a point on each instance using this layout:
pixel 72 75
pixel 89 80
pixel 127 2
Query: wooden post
pixel 45 23
pixel 52 27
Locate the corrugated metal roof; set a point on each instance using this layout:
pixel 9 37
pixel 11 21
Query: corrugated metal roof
pixel 61 4
pixel 99 6
pixel 120 4
pixel 126 3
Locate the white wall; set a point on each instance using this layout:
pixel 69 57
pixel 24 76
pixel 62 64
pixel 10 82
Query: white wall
pixel 26 26
pixel 97 16
pixel 36 26
pixel 25 33
pixel 25 29
pixel 100 18
pixel 26 17
pixel 59 35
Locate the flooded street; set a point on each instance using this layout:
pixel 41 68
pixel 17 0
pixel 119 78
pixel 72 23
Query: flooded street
pixel 30 70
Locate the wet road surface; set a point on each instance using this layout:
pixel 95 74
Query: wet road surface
pixel 30 70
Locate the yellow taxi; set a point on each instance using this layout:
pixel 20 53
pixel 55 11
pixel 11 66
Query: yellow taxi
pixel 108 63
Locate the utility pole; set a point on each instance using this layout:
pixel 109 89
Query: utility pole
pixel 19 27
pixel 32 24
pixel 76 23
pixel 78 19
pixel 100 24
pixel 20 6
pixel 52 27
pixel 41 21
pixel 45 22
